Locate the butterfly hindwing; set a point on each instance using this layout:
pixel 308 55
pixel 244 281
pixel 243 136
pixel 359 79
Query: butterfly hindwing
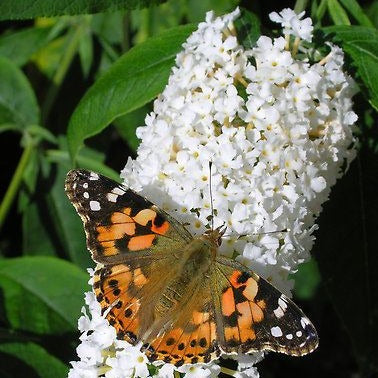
pixel 189 334
pixel 253 315
pixel 192 336
pixel 118 221
pixel 126 291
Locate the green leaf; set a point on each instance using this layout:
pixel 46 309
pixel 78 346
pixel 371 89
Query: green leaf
pixel 21 45
pixel 248 27
pixel 372 12
pixel 30 360
pixel 29 180
pixel 127 124
pixel 10 127
pixel 24 9
pixel 84 160
pixel 321 10
pixel 18 104
pixel 60 218
pixel 357 12
pixel 42 133
pixel 48 58
pixel 108 26
pixel 197 8
pixel 337 13
pixel 135 79
pixel 36 231
pixel 307 280
pixel 86 49
pixel 51 225
pixel 42 294
pixel 360 43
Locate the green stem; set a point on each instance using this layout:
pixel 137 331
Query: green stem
pixel 61 71
pixel 300 5
pixel 227 371
pixel 126 32
pixel 15 183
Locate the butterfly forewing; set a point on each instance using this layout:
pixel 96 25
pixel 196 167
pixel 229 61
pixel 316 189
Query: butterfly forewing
pixel 119 222
pixel 253 315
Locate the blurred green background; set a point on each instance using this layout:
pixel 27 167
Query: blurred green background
pixel 59 62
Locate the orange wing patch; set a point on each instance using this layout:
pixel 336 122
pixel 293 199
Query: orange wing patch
pixel 138 243
pixel 134 233
pixel 193 343
pixel 239 309
pixel 117 288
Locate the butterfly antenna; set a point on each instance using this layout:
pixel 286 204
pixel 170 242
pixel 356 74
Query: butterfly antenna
pixel 211 197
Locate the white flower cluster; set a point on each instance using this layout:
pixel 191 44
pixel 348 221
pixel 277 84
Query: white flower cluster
pixel 278 131
pixel 293 25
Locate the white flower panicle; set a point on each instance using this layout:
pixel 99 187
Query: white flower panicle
pixel 278 131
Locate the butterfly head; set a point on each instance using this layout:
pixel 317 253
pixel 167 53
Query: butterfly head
pixel 215 235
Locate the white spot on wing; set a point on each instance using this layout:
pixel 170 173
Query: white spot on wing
pixel 282 302
pixel 118 190
pixel 282 306
pixel 85 185
pixel 279 312
pixel 94 205
pixel 276 331
pixel 304 322
pixel 298 333
pixel 93 176
pixel 289 336
pixel 86 195
pixel 112 197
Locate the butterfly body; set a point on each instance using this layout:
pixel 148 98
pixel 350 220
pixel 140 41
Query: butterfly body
pixel 159 285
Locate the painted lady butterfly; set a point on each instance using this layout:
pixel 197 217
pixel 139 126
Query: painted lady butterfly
pixel 158 284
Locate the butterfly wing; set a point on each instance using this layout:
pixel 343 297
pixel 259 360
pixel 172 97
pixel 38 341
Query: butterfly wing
pixel 127 293
pixel 190 335
pixel 229 308
pixel 252 315
pixel 118 222
pixel 134 241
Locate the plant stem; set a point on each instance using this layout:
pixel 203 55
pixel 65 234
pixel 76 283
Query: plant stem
pixel 227 371
pixel 300 5
pixel 61 71
pixel 14 185
pixel 126 32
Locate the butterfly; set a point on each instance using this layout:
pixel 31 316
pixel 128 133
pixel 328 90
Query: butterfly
pixel 160 286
